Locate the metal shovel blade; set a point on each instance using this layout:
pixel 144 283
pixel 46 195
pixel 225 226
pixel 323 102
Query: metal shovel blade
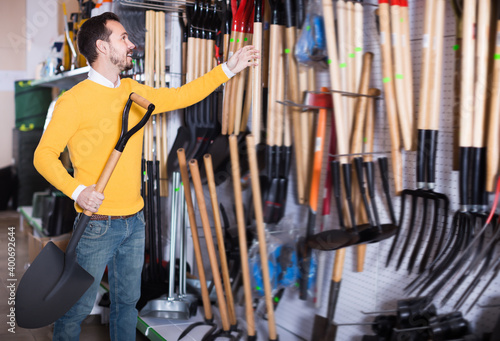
pixel 49 288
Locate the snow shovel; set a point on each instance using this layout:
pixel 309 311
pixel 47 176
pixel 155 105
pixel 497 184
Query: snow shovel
pixel 55 281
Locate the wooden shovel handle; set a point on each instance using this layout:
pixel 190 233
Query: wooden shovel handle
pixel 390 102
pixel 482 63
pixel 205 296
pixel 407 61
pixel 106 174
pixel 467 73
pixel 240 220
pixel 261 234
pixel 493 150
pixel 369 133
pixel 437 62
pixel 331 43
pixel 140 100
pixel 359 115
pixel 207 158
pixel 398 77
pixel 200 198
pixel 257 84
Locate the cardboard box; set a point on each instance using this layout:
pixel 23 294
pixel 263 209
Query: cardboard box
pixel 36 244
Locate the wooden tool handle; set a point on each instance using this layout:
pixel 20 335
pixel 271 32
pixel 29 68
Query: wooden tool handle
pixel 493 150
pixel 342 57
pixel 398 77
pixel 436 65
pixel 482 63
pixel 205 296
pixel 257 84
pixel 200 198
pixel 331 42
pixel 467 72
pixel 369 133
pixel 390 103
pixel 207 158
pixel 357 134
pixel 240 220
pixel 157 48
pixel 407 62
pixel 295 112
pixel 140 100
pixel 261 234
pixel 275 40
pixel 338 265
pixel 106 174
pixel 358 41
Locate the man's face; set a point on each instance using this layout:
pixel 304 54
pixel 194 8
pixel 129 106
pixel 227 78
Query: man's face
pixel 120 47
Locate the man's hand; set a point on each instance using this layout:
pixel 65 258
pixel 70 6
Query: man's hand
pixel 89 199
pixel 246 56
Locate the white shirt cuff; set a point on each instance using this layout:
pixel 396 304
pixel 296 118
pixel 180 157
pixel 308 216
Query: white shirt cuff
pixel 228 72
pixel 77 192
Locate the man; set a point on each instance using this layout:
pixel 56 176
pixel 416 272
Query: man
pixel 87 119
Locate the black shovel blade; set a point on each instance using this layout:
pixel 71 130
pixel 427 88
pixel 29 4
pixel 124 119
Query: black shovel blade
pixel 49 288
pixel 388 230
pixel 330 240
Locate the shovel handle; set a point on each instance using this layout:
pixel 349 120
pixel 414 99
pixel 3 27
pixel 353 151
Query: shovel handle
pixel 240 220
pixel 205 296
pixel 467 73
pixel 360 113
pixel 493 144
pixel 398 79
pixel 261 234
pixel 482 66
pixel 392 115
pixel 207 159
pixel 200 198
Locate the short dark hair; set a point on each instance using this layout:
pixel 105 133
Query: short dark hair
pixel 92 30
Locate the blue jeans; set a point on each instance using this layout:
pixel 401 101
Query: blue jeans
pixel 119 244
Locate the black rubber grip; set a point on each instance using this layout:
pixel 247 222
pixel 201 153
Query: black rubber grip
pixel 335 168
pixel 370 178
pixel 475 175
pixel 464 175
pixel 289 13
pixel 432 140
pixel 421 157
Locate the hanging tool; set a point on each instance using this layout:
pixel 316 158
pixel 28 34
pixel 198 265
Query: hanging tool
pixel 405 123
pixel 428 125
pixel 55 281
pixel 407 63
pixel 493 139
pixel 257 72
pixel 294 95
pixel 389 90
pixel 261 234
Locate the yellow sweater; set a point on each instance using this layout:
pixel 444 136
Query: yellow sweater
pixel 87 119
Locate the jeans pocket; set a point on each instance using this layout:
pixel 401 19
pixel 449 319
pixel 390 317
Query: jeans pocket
pixel 140 216
pixel 96 229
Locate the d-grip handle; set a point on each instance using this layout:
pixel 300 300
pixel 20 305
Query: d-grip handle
pixel 111 163
pixel 125 135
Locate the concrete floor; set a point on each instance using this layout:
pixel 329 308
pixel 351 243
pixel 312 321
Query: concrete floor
pixel 92 329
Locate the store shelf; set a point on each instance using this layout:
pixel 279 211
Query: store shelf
pixel 65 80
